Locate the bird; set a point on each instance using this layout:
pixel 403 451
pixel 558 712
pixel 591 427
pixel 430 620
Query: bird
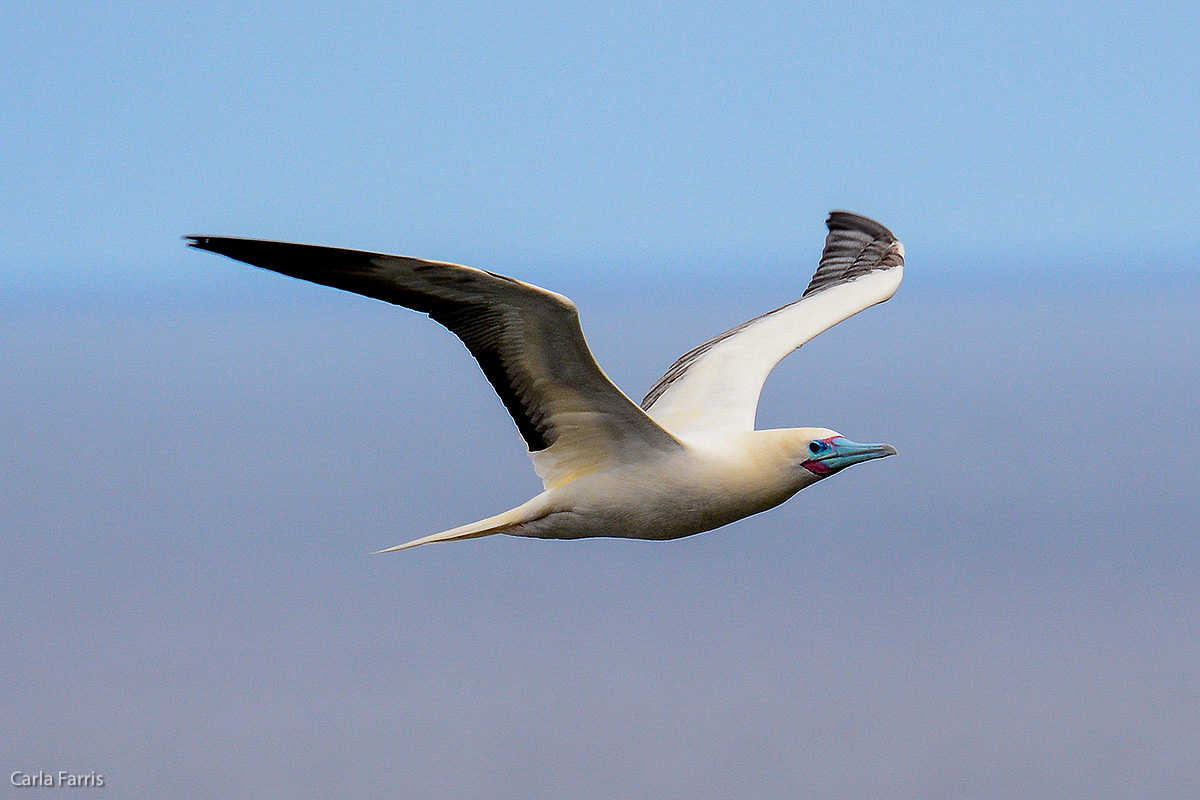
pixel 688 458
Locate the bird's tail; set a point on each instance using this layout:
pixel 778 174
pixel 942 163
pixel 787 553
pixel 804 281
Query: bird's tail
pixel 501 523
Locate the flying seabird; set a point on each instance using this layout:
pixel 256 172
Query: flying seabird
pixel 688 459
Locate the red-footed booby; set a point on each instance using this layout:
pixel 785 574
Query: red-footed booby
pixel 688 459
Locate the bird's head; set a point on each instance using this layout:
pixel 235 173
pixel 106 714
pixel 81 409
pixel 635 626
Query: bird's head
pixel 824 452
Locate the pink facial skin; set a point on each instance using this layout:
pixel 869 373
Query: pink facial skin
pixel 817 467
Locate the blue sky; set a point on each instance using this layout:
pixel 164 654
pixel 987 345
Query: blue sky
pixel 199 457
pixel 610 139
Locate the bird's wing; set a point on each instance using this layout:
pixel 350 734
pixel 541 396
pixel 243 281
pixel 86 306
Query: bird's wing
pixel 716 385
pixel 527 340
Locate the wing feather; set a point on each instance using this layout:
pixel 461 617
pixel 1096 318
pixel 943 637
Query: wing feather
pixel 527 340
pixel 717 384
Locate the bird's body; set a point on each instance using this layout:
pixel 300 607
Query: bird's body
pixel 689 459
pixel 706 483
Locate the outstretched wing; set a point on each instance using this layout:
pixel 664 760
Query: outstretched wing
pixel 716 385
pixel 527 341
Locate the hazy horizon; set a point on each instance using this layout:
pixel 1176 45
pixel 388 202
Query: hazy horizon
pixel 1005 609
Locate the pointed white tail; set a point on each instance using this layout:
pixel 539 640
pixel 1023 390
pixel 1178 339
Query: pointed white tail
pixel 473 530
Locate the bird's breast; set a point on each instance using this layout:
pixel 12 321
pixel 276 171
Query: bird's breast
pixel 678 495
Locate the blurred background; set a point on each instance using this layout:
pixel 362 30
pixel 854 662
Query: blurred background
pixel 198 457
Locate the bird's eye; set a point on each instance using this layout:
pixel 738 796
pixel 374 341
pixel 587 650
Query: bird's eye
pixel 816 447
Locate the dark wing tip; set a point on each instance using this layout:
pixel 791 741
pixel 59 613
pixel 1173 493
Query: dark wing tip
pixel 325 265
pixel 855 246
pixel 849 221
pixel 225 245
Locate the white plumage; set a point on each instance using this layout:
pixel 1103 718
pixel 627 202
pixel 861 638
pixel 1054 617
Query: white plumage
pixel 688 459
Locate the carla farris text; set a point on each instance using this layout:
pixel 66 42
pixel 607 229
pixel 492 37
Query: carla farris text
pixel 60 778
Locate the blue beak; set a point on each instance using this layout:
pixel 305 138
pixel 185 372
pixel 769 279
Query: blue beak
pixel 840 453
